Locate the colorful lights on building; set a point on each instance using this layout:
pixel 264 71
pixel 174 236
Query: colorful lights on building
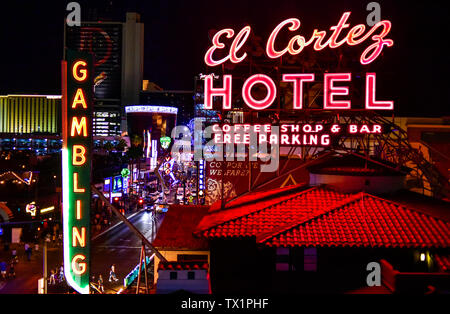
pixel 25 114
pixel 77 106
pixel 165 142
pixel 151 109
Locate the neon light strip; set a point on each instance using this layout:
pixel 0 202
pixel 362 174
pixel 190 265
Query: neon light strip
pixel 151 109
pixel 47 96
pixel 48 209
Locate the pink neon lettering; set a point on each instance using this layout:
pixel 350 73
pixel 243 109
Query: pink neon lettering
pixel 371 103
pixel 224 92
pixel 330 90
pixel 237 44
pixel 271 91
pixel 298 80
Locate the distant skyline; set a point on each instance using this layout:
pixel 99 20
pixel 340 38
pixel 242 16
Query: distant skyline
pixel 176 39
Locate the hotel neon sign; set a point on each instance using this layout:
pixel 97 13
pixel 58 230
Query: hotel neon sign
pixel 355 36
pixel 77 104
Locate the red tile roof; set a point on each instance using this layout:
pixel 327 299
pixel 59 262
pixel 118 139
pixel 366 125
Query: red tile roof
pixel 176 231
pixel 263 215
pixel 322 217
pixel 366 222
pixel 443 262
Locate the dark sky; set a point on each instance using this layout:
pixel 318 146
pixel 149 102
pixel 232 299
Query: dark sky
pixel 176 38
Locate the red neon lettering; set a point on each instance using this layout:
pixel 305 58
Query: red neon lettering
pixel 270 48
pixel 371 103
pixel 237 44
pixel 298 80
pixel 224 92
pixel 271 91
pixel 330 90
pixel 370 54
pixel 218 45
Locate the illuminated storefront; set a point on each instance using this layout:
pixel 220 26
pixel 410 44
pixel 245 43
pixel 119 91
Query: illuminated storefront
pixel 156 121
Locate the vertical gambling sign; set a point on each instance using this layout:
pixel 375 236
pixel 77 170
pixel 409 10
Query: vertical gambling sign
pixel 77 103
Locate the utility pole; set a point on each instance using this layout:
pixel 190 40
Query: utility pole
pixel 44 253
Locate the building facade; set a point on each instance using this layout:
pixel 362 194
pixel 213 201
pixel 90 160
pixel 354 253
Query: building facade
pixel 118 49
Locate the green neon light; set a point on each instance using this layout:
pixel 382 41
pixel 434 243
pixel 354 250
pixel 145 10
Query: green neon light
pixel 125 173
pixel 72 264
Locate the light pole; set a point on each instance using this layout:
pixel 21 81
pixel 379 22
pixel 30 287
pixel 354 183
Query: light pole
pixel 44 253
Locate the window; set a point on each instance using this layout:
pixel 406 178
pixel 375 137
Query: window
pixel 191 275
pixel 310 259
pixel 173 275
pixel 282 259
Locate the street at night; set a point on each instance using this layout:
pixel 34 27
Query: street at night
pixel 224 155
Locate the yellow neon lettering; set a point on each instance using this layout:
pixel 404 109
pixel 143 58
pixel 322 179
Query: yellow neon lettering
pixel 82 71
pixel 76 189
pixel 79 99
pixel 78 155
pixel 78 206
pixel 78 126
pixel 79 268
pixel 77 237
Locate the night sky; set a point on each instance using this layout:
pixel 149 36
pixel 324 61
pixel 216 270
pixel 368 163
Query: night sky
pixel 176 39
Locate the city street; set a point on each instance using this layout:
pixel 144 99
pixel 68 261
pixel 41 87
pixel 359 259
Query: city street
pixel 117 245
pixel 120 246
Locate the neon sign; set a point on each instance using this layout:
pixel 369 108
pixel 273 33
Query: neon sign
pixel 77 102
pixel 289 134
pixel 165 142
pixel 355 36
pixel 330 90
pixel 297 43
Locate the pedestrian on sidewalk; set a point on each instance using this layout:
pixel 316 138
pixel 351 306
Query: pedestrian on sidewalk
pixel 112 273
pixel 3 269
pixel 12 271
pixel 61 274
pixel 14 257
pixel 52 280
pixel 27 251
pixel 100 284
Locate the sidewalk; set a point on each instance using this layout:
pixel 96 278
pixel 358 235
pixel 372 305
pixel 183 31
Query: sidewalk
pixel 29 272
